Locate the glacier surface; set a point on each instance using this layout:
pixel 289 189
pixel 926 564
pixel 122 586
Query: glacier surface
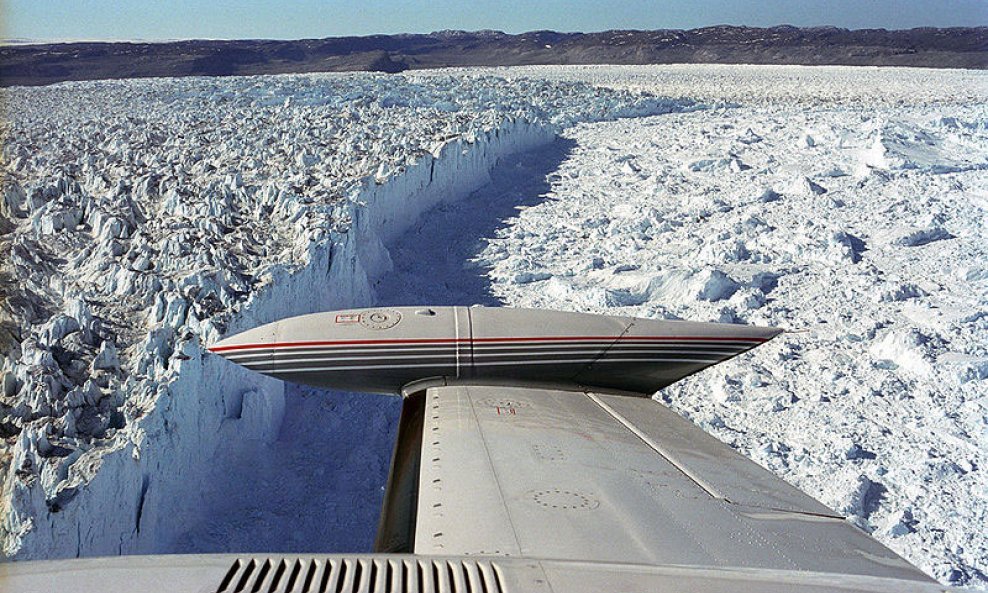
pixel 143 219
pixel 845 205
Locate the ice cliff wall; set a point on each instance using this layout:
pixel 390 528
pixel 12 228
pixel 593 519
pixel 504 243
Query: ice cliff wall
pixel 136 496
pixel 128 264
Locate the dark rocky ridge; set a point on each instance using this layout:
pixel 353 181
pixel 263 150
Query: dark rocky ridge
pixel 926 47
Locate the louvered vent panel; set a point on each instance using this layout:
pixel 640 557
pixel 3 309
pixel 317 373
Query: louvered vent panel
pixel 360 575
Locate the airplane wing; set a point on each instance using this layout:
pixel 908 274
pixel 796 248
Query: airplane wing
pixel 515 490
pixel 597 478
pixel 529 459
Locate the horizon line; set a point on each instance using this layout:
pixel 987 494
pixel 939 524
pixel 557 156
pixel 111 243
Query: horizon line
pixel 23 41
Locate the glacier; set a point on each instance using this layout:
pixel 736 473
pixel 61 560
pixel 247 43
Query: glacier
pixel 847 206
pixel 142 220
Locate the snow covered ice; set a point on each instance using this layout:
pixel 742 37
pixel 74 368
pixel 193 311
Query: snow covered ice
pixel 145 218
pixel 859 226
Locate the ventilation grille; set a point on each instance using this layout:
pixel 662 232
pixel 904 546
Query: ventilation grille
pixel 360 575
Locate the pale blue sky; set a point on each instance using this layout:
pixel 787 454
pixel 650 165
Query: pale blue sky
pixel 287 19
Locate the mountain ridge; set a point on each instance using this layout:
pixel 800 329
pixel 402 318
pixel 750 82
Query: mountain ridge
pixel 46 63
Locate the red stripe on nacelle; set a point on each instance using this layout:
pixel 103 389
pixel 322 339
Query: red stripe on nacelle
pixel 218 349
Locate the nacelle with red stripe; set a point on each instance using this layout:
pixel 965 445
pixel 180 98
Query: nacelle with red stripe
pixel 386 350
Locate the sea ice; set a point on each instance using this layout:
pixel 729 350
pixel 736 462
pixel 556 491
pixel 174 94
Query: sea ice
pixel 876 396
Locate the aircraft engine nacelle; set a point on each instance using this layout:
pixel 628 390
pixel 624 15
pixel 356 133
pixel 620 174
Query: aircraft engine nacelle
pixel 388 350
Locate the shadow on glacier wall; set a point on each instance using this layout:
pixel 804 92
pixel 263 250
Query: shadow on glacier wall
pixel 432 261
pixel 318 486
